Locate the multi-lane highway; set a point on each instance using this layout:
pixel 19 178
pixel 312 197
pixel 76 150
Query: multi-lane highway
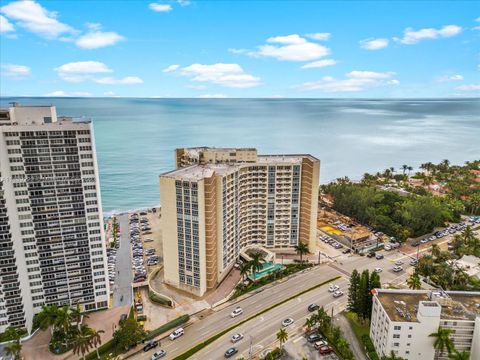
pixel 263 328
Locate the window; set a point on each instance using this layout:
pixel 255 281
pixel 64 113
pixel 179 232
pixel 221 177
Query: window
pixel 397 327
pixel 396 344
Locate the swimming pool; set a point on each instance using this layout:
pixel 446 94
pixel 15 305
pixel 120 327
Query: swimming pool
pixel 267 269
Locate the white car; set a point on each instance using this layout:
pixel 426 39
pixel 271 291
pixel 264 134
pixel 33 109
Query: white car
pixel 287 322
pixel 236 337
pixel 397 268
pixel 337 293
pixel 177 333
pixel 399 262
pixel 378 270
pixel 237 312
pixel 333 288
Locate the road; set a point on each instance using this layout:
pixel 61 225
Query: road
pixel 219 320
pixel 266 326
pixel 122 289
pixel 262 331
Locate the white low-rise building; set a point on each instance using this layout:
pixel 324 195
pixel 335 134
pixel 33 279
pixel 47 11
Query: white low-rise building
pixel 402 321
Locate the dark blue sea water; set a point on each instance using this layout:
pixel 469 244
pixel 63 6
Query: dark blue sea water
pixel 136 138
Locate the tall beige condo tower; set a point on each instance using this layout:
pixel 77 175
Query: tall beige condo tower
pixel 51 229
pixel 220 200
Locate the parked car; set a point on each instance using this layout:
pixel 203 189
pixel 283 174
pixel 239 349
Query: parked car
pixel 397 268
pixel 319 344
pixel 150 345
pixel 230 352
pixel 236 337
pixel 313 338
pixel 287 322
pixel 158 355
pixel 399 262
pixel 371 254
pixel 379 257
pixel 237 312
pixel 177 333
pixel 378 270
pixel 313 307
pixel 325 350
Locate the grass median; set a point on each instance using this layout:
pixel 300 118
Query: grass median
pixel 210 340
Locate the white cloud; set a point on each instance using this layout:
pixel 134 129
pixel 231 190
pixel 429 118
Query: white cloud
pixel 470 87
pixel 171 68
pixel 183 2
pixel 87 70
pixel 319 36
pixel 98 39
pixel 445 78
pixel 160 7
pixel 128 80
pixel 290 48
pixel 5 25
pixel 61 93
pixel 228 75
pixel 35 18
pixel 477 19
pixel 93 26
pixel 374 44
pixel 238 51
pixel 197 87
pixel 81 70
pixel 411 36
pixel 354 81
pixel 319 64
pixel 212 96
pixel 108 93
pixel 369 75
pixel 14 71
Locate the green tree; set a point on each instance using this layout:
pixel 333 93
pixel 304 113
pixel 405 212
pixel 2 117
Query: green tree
pixel 282 337
pixel 324 321
pixel 363 295
pixel 301 249
pixel 310 322
pixel 14 349
pixel 96 339
pixel 82 341
pixel 464 355
pixel 414 282
pixel 442 341
pixel 391 356
pixel 353 304
pixel 48 317
pixel 129 334
pixel 256 263
pixel 245 269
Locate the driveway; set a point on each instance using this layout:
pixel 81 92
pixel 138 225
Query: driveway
pixel 355 345
pixel 122 289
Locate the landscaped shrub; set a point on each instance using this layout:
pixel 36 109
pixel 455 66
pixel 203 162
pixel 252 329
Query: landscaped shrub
pixel 168 326
pixel 159 299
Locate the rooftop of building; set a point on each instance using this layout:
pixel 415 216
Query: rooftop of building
pixel 199 171
pixel 402 305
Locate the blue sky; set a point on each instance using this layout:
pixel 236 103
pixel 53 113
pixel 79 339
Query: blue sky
pixel 240 48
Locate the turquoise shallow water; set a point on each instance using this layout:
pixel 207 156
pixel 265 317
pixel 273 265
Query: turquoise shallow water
pixel 136 138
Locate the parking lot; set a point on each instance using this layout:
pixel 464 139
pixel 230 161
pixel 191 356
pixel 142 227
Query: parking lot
pixel 301 347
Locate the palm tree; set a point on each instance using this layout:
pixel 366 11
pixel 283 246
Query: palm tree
pixel 392 356
pixel 409 169
pixel 310 322
pixel 256 263
pixel 301 249
pixel 464 355
pixel 96 339
pixel 63 320
pixel 245 267
pixel 48 317
pixel 323 319
pixel 435 249
pixel 282 337
pixel 442 341
pixel 82 342
pixel 404 168
pixel 470 238
pixel 414 282
pixel 14 349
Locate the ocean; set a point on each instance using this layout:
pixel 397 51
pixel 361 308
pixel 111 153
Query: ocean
pixel 136 137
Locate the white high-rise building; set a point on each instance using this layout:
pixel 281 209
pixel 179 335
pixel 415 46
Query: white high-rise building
pixel 402 321
pixel 51 224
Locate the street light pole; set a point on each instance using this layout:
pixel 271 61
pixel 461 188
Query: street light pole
pixel 250 351
pixel 319 256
